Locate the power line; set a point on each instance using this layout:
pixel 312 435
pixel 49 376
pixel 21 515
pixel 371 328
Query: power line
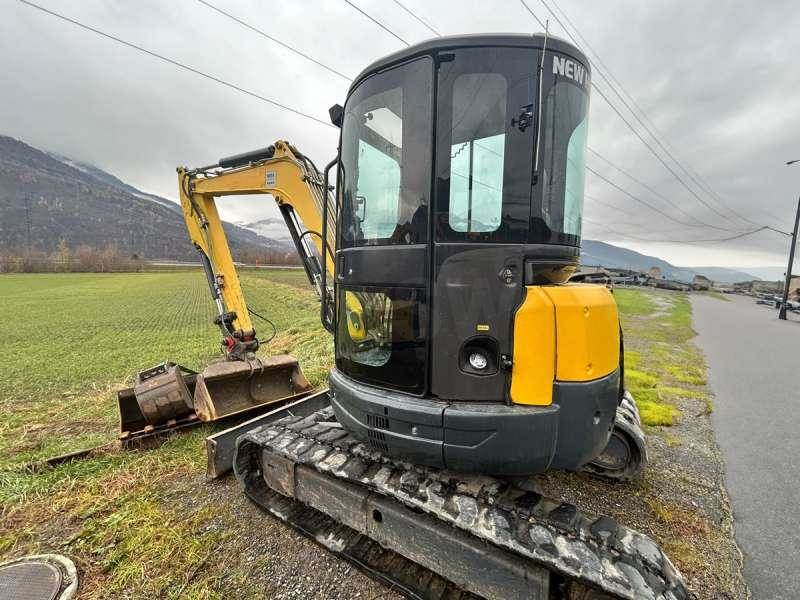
pixel 645 203
pixel 418 18
pixel 639 200
pixel 653 191
pixel 606 204
pixel 300 113
pixel 274 39
pixel 378 23
pixel 628 123
pixel 175 63
pixel 737 235
pixel 690 172
pixel 694 241
pixel 633 112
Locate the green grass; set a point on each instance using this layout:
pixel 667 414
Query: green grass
pixel 77 337
pixel 634 302
pixel 72 340
pixel 662 366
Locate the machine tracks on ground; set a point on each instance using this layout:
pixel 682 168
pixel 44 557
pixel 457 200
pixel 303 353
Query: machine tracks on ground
pixel 578 551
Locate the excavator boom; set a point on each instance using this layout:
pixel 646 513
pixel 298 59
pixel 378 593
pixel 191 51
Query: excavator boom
pixel 169 396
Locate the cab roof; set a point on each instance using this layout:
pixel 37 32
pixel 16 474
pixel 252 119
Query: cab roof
pixel 451 42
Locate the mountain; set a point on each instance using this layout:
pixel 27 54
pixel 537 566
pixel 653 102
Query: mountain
pixel 726 275
pixel 769 273
pixel 594 252
pixel 45 198
pixel 272 228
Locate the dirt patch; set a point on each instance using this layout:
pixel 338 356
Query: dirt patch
pixel 34 437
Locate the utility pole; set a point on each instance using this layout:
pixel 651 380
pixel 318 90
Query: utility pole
pixel 788 281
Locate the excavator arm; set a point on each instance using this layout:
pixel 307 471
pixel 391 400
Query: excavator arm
pixel 169 396
pixel 300 191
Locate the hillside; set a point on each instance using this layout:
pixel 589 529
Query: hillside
pixel 45 198
pixel 59 198
pixel 271 227
pixel 594 252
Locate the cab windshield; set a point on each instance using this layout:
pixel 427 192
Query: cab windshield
pixel 563 164
pixel 488 188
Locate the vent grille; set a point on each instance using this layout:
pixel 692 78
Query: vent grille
pixel 377 440
pixel 377 421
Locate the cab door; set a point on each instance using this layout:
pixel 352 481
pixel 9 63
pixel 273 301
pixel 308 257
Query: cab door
pixel 382 281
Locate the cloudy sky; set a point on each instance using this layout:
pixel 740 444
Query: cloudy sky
pixel 719 79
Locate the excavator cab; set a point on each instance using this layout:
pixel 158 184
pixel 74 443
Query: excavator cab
pixel 459 194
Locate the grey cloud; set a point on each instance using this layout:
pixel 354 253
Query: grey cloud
pixel 720 80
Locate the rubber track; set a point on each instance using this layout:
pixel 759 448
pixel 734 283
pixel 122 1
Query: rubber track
pixel 393 570
pixel 628 426
pixel 595 552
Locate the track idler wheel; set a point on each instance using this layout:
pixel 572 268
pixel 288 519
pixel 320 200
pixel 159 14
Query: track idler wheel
pixel 625 455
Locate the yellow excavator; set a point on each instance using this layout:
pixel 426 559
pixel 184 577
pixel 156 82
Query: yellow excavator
pixel 465 362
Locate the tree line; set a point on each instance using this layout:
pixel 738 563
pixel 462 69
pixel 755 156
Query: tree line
pixel 109 259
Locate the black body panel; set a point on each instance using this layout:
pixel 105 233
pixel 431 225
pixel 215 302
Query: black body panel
pixel 586 411
pixel 475 286
pixel 474 437
pixel 391 266
pixel 444 43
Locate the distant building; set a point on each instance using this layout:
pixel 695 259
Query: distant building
pixel 794 289
pixel 758 287
pixel 669 284
pixel 655 273
pixel 701 283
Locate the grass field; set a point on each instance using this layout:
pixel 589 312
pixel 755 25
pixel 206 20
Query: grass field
pixel 71 341
pixel 670 367
pixel 144 524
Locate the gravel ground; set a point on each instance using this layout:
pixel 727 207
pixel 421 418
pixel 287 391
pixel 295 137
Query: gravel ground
pixel 267 558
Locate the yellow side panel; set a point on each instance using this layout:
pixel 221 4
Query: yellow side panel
pixel 534 350
pixel 587 331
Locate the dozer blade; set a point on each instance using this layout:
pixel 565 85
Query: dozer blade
pixel 230 388
pixel 169 397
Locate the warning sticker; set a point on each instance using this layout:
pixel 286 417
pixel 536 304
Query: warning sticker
pixel 272 179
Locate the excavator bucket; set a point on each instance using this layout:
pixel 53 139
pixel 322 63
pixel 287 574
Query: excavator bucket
pixel 170 397
pixel 231 388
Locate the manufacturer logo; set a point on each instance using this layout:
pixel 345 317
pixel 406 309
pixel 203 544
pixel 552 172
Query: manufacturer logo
pixel 568 68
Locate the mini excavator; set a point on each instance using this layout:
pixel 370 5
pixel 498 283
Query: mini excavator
pixel 464 361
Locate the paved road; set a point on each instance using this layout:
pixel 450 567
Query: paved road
pixel 754 362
